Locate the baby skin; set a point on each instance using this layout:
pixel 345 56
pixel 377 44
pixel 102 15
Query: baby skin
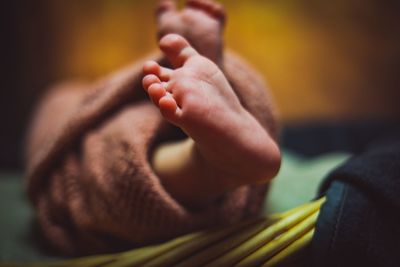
pixel 226 146
pixel 200 22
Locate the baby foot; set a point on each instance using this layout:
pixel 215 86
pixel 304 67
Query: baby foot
pixel 200 22
pixel 196 97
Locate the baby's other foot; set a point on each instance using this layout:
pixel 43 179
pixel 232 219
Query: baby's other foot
pixel 200 22
pixel 196 97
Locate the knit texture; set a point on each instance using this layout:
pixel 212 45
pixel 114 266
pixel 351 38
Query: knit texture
pixel 88 171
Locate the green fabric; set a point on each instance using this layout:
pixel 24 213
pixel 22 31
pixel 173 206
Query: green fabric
pixel 298 180
pixel 296 184
pixel 15 220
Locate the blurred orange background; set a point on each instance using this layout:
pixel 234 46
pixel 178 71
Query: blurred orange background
pixel 323 60
pixel 318 62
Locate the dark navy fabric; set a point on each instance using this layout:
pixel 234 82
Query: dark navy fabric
pixel 315 138
pixel 359 225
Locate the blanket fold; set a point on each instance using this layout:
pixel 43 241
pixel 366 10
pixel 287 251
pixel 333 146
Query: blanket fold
pixel 358 224
pixel 88 171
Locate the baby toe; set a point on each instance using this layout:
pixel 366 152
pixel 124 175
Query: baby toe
pixel 177 49
pixel 151 67
pixel 156 91
pixel 169 108
pixel 211 7
pixel 165 6
pixel 148 80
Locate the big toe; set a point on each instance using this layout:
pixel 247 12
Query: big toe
pixel 177 49
pixel 169 108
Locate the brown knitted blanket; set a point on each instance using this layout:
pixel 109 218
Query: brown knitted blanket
pixel 88 171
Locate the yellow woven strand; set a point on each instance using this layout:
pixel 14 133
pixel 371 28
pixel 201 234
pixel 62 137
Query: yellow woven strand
pixel 212 252
pixel 273 247
pixel 140 256
pixel 292 254
pixel 204 240
pixel 268 234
